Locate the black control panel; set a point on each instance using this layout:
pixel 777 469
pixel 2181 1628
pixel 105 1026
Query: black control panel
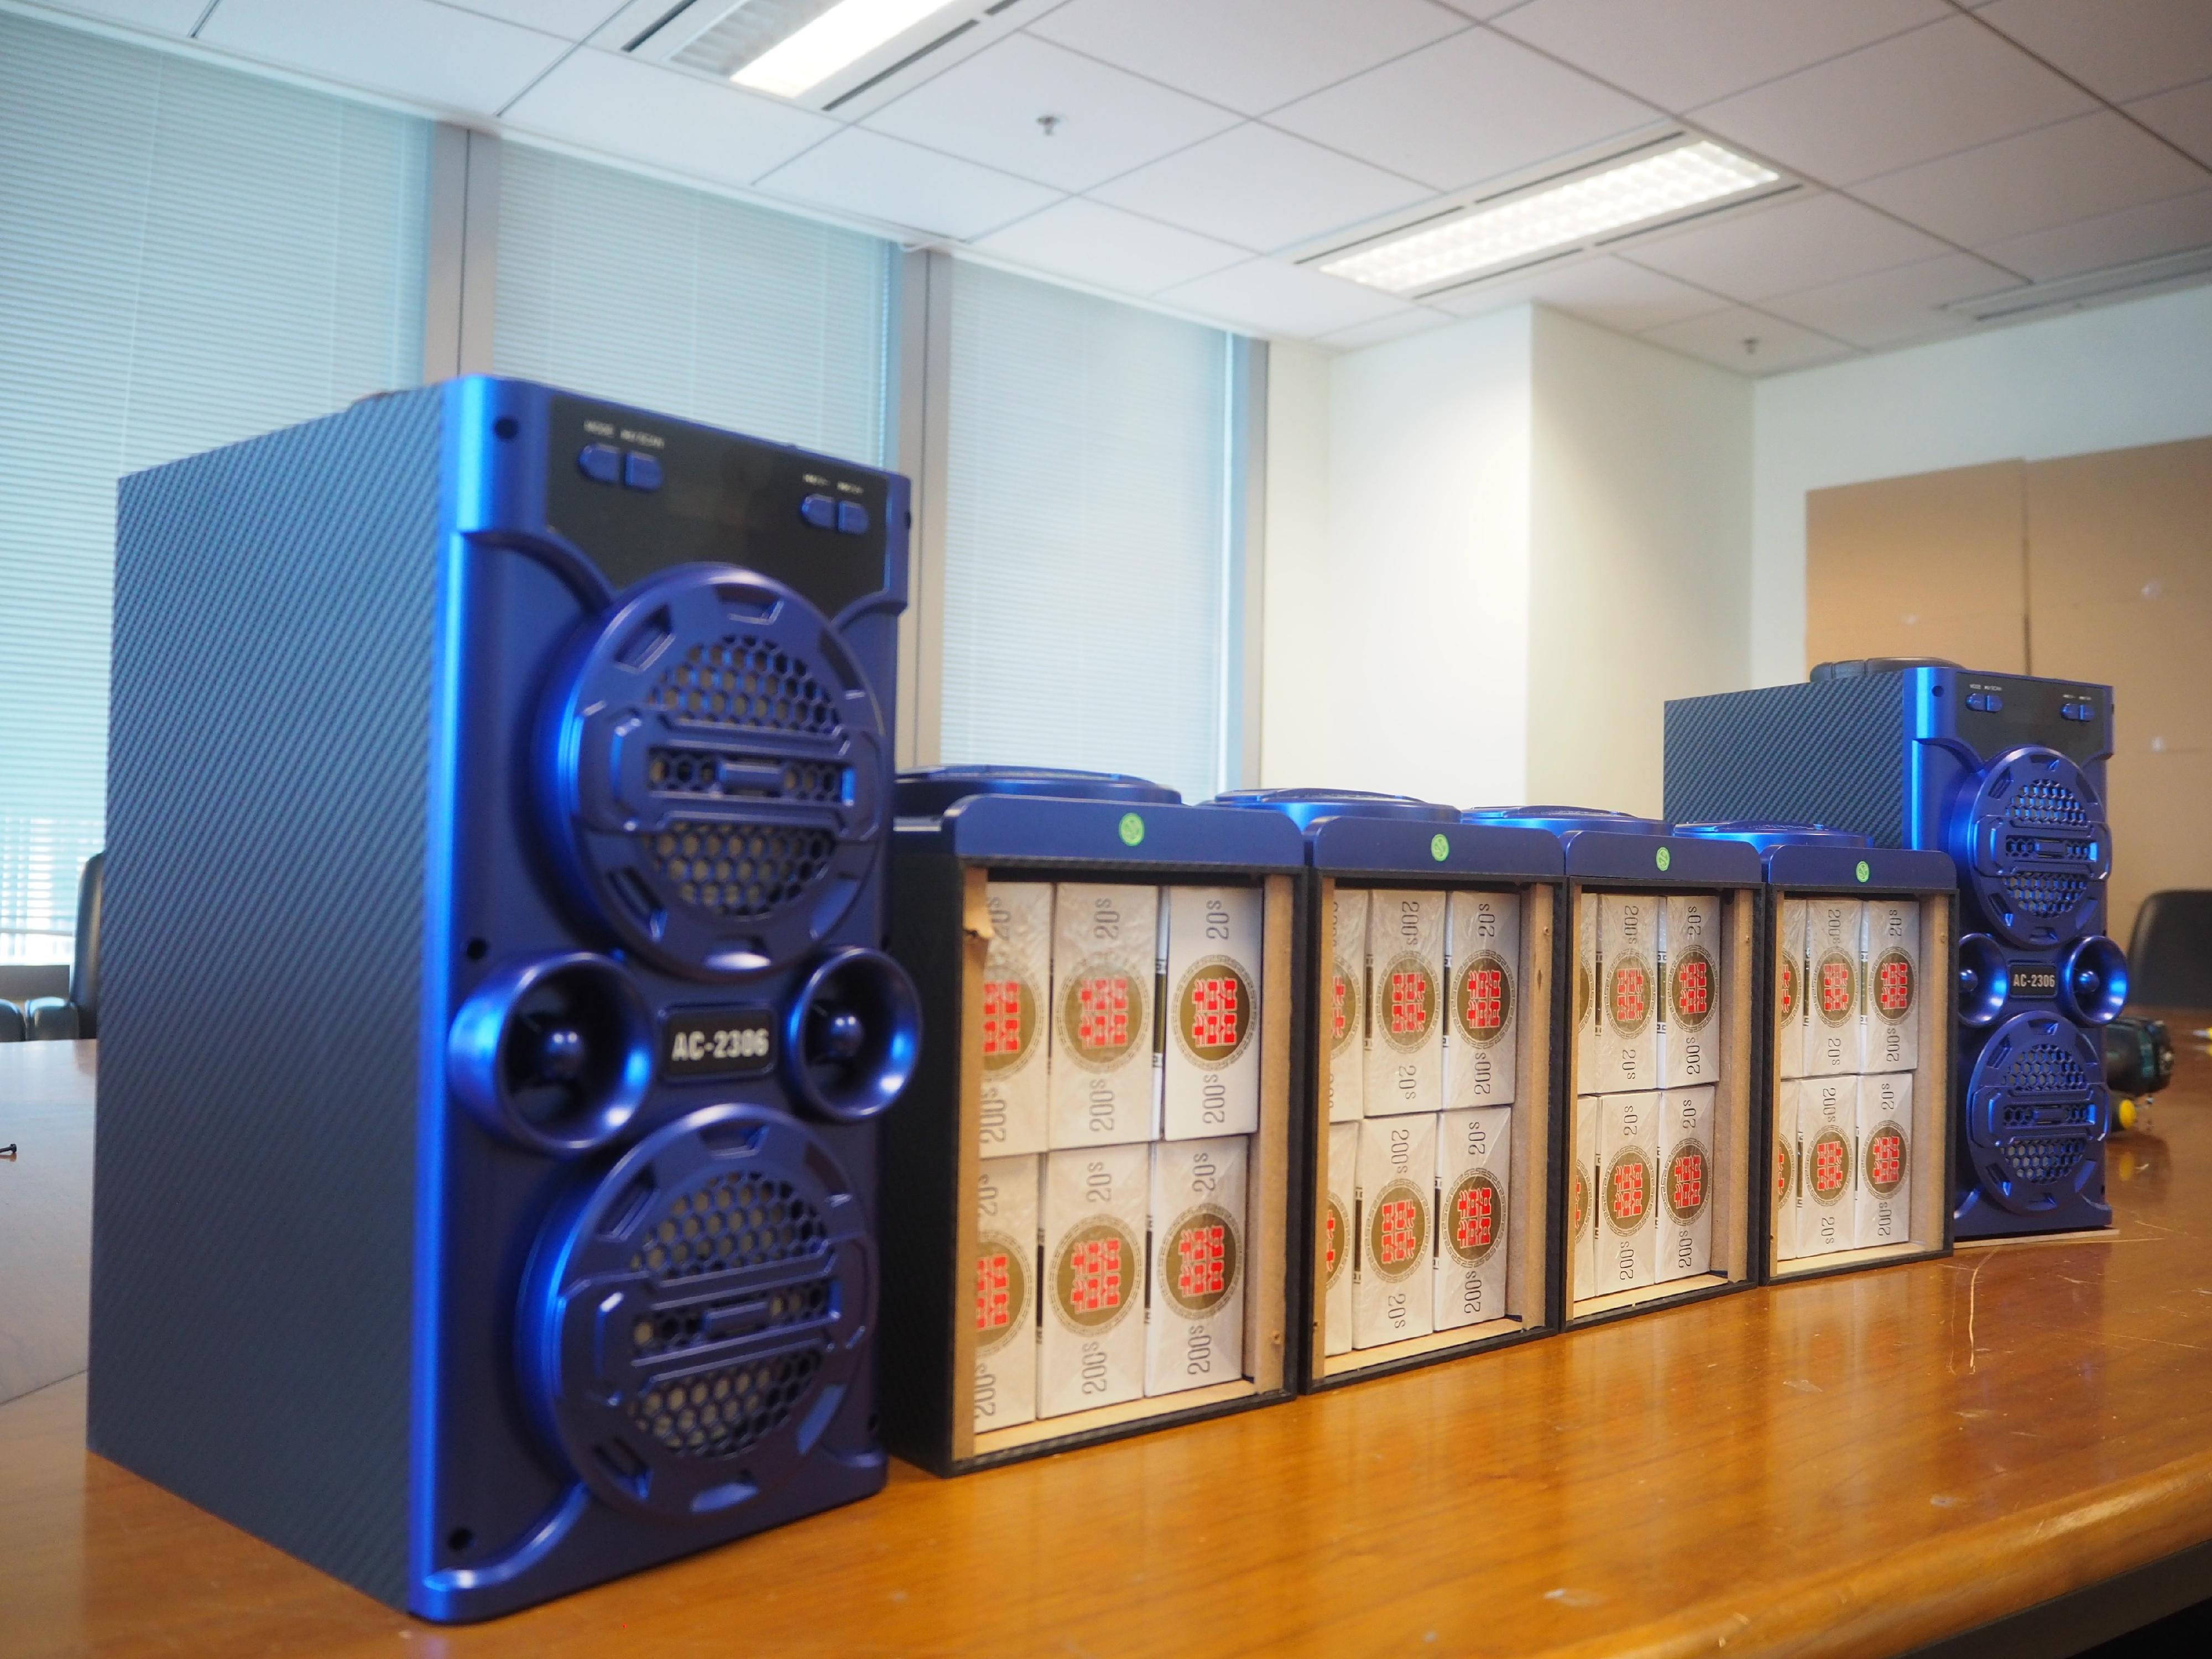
pixel 1999 712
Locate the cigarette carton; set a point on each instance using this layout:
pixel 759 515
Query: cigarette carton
pixel 1890 974
pixel 1473 1178
pixel 1628 977
pixel 1405 1047
pixel 1017 1025
pixel 1347 1010
pixel 1196 1332
pixel 1091 1351
pixel 1006 1292
pixel 1395 1273
pixel 1582 1226
pixel 1689 1026
pixel 1832 1034
pixel 1482 958
pixel 1686 1168
pixel 1786 1174
pixel 1211 1078
pixel 1589 1021
pixel 1790 1000
pixel 1337 1244
pixel 1628 1214
pixel 1104 946
pixel 1827 1121
pixel 1884 1202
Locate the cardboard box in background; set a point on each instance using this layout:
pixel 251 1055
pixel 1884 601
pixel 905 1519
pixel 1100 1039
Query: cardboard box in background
pixel 1104 957
pixel 1689 1025
pixel 1347 1009
pixel 1788 1174
pixel 1790 1003
pixel 1589 1020
pixel 1628 1190
pixel 1473 1185
pixel 1583 1227
pixel 1482 966
pixel 1685 1187
pixel 1832 1034
pixel 1393 1292
pixel 1882 1206
pixel 1194 1330
pixel 1890 976
pixel 1827 1121
pixel 1629 990
pixel 1017 1018
pixel 1210 1082
pixel 1092 1349
pixel 1406 1015
pixel 1339 1242
pixel 1006 1291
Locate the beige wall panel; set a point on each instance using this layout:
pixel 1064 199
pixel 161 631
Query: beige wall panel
pixel 2120 593
pixel 1927 566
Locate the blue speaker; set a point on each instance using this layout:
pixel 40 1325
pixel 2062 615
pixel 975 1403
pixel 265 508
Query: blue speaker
pixel 494 1016
pixel 2005 773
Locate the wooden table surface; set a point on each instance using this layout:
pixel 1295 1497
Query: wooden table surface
pixel 1850 1465
pixel 46 1214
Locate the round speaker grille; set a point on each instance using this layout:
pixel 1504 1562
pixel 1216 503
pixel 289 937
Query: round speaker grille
pixel 693 1320
pixel 715 766
pixel 2036 1107
pixel 2031 836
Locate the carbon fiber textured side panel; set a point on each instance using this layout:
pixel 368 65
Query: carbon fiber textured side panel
pixel 274 607
pixel 1833 753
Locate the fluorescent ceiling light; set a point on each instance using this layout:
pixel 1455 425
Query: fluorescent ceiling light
pixel 1651 187
pixel 847 32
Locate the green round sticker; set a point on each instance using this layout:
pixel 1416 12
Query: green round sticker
pixel 1133 828
pixel 1666 857
pixel 1439 848
pixel 1863 872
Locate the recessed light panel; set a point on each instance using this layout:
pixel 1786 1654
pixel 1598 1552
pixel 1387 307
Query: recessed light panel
pixel 835 37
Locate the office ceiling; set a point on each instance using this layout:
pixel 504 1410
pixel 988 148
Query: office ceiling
pixel 2048 152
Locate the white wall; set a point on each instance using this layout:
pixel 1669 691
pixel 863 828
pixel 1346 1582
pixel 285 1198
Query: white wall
pixel 1640 556
pixel 1294 571
pixel 2105 378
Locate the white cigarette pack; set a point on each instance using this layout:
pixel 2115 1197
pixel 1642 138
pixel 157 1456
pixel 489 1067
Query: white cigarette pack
pixel 1685 1170
pixel 1582 1226
pixel 1828 1120
pixel 1628 1212
pixel 1690 1000
pixel 1482 966
pixel 1006 1292
pixel 1347 1006
pixel 1589 1021
pixel 1394 1274
pixel 1474 1180
pixel 1788 1172
pixel 1336 1243
pixel 1210 1084
pixel 1891 967
pixel 1628 978
pixel 1883 1206
pixel 1017 1025
pixel 1104 946
pixel 1195 1332
pixel 1832 1036
pixel 1091 1350
pixel 1405 1046
pixel 1790 1009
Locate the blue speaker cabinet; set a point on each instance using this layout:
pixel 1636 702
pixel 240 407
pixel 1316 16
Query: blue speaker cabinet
pixel 1851 1113
pixel 2005 773
pixel 1657 1063
pixel 498 803
pixel 1088 1187
pixel 1425 1107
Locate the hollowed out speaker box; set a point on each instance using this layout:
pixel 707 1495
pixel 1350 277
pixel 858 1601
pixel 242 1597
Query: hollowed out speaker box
pixel 496 1018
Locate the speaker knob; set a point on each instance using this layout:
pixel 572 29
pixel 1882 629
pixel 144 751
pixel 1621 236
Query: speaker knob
pixel 853 1035
pixel 555 1053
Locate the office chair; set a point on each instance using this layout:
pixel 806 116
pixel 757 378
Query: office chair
pixel 77 1015
pixel 2170 957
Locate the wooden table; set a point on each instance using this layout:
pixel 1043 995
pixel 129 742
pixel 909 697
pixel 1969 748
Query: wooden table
pixel 46 1214
pixel 1845 1466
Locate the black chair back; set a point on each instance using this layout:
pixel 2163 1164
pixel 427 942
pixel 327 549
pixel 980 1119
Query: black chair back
pixel 2170 957
pixel 84 973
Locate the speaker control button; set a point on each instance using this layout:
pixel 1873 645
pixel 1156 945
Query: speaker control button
pixel 640 470
pixel 852 519
pixel 601 463
pixel 819 511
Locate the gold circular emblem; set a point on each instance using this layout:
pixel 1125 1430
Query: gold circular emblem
pixel 1343 1006
pixel 1686 1181
pixel 1628 1190
pixel 1406 1002
pixel 1102 1013
pixel 1397 1231
pixel 1482 999
pixel 1691 981
pixel 1214 1012
pixel 1200 1256
pixel 1473 1219
pixel 1885 1159
pixel 1835 983
pixel 1579 1204
pixel 1096 1277
pixel 1002 1291
pixel 1892 985
pixel 1628 995
pixel 1828 1167
pixel 1010 1008
pixel 1335 1235
pixel 1785 992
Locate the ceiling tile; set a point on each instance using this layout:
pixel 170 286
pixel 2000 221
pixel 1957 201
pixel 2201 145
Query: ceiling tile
pixel 1719 338
pixel 1095 243
pixel 902 184
pixel 412 49
pixel 1252 55
pixel 1908 99
pixel 1892 306
pixel 2184 115
pixel 572 20
pixel 2119 49
pixel 1110 121
pixel 1466 109
pixel 1802 241
pixel 1266 296
pixel 1415 320
pixel 604 101
pixel 1625 297
pixel 1261 188
pixel 162 16
pixel 1681 53
pixel 2073 170
pixel 2115 238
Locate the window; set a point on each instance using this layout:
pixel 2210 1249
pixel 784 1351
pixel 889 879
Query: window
pixel 688 303
pixel 1087 530
pixel 187 256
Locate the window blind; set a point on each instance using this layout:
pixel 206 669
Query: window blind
pixel 1086 534
pixel 677 300
pixel 188 256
